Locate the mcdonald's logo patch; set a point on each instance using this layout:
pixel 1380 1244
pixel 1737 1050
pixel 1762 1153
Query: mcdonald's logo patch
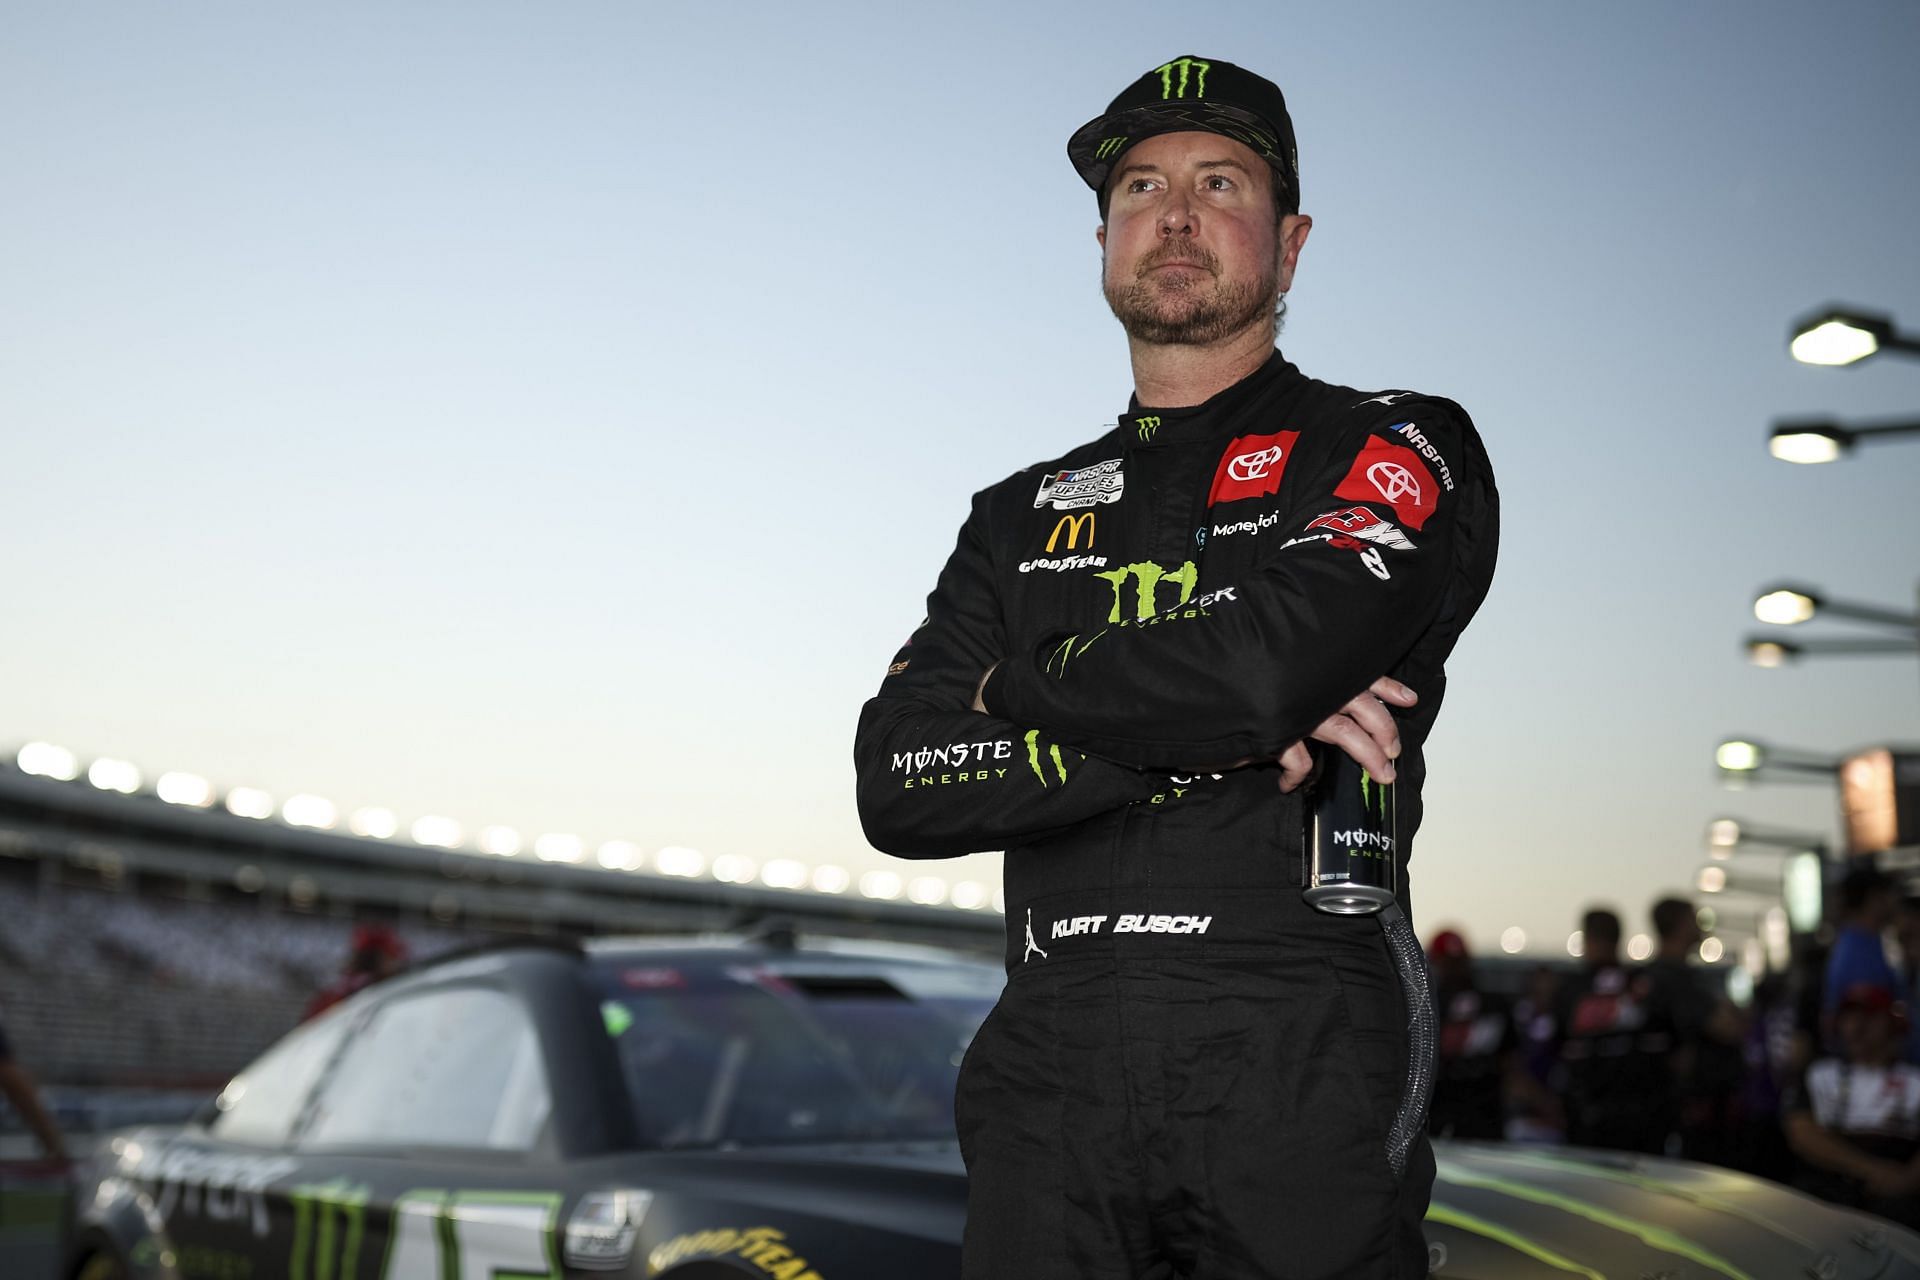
pixel 1072 526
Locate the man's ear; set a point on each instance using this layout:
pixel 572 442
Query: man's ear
pixel 1100 235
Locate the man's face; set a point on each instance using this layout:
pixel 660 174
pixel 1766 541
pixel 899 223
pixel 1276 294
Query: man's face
pixel 1192 254
pixel 1869 1035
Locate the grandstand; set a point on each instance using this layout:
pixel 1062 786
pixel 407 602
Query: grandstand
pixel 147 945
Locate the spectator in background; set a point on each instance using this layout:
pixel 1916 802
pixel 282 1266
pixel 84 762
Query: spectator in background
pixel 1476 1046
pixel 1868 900
pixel 1906 930
pixel 1704 1056
pixel 1535 1111
pixel 1854 1121
pixel 377 952
pixel 1616 1067
pixel 19 1089
pixel 1477 1062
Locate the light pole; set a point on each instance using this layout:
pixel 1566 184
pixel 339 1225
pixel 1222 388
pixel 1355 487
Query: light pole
pixel 1838 335
pixel 1822 440
pixel 1741 758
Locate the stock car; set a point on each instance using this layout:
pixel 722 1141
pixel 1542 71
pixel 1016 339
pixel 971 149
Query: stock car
pixel 751 1108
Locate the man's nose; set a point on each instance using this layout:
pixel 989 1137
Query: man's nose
pixel 1176 216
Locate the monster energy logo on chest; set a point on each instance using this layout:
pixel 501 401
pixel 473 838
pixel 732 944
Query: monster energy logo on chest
pixel 1190 70
pixel 1147 578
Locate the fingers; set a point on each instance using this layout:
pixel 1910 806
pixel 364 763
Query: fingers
pixel 1387 689
pixel 1296 762
pixel 1369 752
pixel 1375 721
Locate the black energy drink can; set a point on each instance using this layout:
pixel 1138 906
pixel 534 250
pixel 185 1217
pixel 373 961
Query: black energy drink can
pixel 1352 843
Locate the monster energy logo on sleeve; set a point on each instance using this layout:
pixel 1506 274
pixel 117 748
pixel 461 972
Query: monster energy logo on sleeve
pixel 1169 88
pixel 1053 753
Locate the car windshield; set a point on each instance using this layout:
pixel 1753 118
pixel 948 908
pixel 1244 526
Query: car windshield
pixel 805 1050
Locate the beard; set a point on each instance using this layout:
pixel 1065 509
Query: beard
pixel 1185 311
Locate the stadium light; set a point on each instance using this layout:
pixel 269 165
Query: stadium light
pixel 1743 756
pixel 374 823
pixel 1725 835
pixel 249 802
pixel 734 868
pixel 501 842
pixel 1817 441
pixel 108 774
pixel 1765 651
pixel 558 847
pixel 676 861
pixel 619 855
pixel 1711 949
pixel 189 789
pixel 928 891
pixel 435 832
pixel 1000 900
pixel 831 879
pixel 1513 940
pixel 784 873
pixel 309 811
pixel 884 885
pixel 44 760
pixel 1838 336
pixel 970 895
pixel 1787 605
pixel 1639 947
pixel 1576 944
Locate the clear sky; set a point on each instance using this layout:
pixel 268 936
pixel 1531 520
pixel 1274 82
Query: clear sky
pixel 555 415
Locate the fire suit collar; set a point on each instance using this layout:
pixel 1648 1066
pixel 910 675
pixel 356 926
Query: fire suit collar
pixel 1142 425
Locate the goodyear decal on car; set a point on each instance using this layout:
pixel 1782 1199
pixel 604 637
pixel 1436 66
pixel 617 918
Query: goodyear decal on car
pixel 764 1247
pixel 1647 1233
pixel 1448 1216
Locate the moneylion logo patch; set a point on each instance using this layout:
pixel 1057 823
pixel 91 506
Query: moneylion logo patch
pixel 1072 525
pixel 1190 71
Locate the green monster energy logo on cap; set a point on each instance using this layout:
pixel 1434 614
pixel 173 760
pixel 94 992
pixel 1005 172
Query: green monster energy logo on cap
pixel 1169 89
pixel 1108 148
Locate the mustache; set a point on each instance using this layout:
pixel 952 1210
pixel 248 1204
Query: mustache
pixel 1172 251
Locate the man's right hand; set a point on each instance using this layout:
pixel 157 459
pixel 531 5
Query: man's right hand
pixel 1364 729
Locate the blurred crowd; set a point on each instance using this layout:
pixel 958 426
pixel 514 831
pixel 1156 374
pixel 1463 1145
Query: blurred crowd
pixel 1813 1081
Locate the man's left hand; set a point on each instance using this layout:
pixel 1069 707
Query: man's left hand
pixel 1364 729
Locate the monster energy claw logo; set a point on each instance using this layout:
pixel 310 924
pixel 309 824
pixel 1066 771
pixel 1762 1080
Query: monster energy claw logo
pixel 1053 753
pixel 1109 148
pixel 1185 66
pixel 1148 577
pixel 1146 426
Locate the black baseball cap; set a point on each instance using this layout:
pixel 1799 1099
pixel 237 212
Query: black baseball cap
pixel 1191 95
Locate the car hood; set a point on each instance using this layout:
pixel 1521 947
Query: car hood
pixel 1502 1212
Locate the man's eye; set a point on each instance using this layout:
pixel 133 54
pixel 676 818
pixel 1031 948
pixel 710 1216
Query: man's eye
pixel 1139 184
pixel 1219 182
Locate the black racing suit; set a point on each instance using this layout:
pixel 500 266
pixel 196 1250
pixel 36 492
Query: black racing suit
pixel 1192 1072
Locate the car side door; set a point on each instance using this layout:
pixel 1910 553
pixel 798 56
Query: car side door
pixel 429 1141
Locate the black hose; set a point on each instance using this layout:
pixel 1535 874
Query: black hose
pixel 1411 1119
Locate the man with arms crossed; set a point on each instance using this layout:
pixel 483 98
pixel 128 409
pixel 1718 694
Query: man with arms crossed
pixel 1192 1072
